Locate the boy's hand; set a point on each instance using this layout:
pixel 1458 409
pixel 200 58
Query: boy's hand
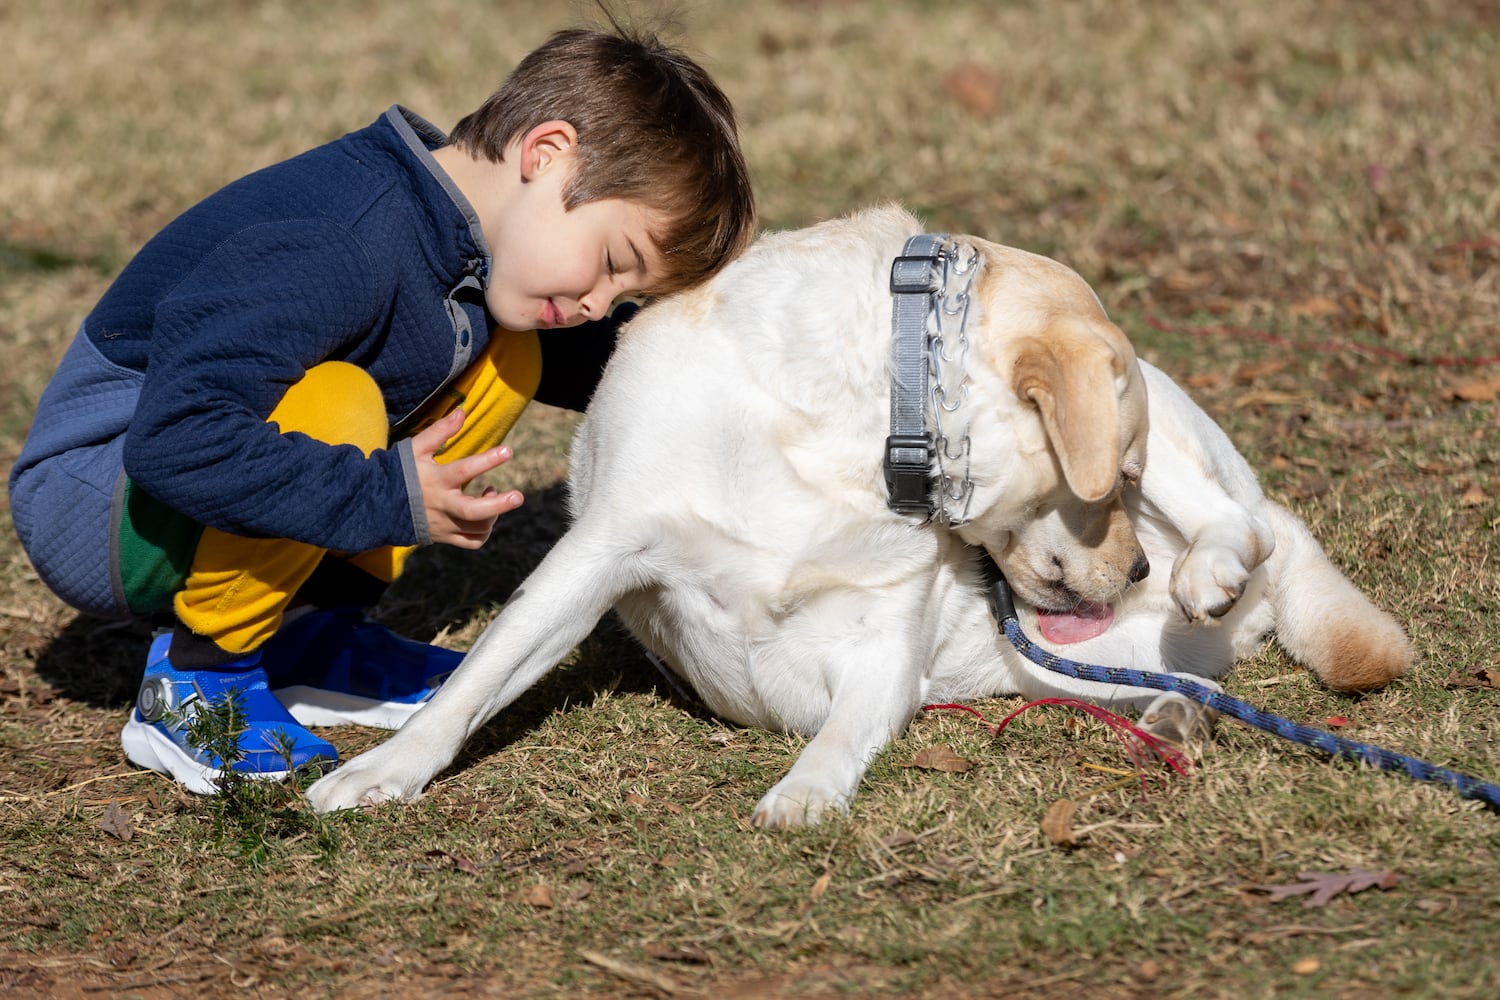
pixel 454 517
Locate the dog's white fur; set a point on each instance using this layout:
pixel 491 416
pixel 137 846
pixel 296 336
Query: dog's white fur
pixel 729 503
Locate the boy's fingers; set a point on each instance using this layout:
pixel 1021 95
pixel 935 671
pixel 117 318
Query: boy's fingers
pixel 465 470
pixel 472 523
pixel 430 439
pixel 478 513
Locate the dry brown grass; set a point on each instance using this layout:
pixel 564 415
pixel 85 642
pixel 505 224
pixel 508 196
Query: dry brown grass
pixel 1292 207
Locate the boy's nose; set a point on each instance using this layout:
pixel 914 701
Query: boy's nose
pixel 595 303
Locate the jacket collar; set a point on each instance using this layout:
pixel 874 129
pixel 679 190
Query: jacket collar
pixel 461 240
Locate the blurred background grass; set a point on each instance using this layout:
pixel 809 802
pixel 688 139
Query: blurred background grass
pixel 1290 206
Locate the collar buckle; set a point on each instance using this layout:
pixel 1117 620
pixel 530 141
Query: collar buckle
pixel 911 274
pixel 908 473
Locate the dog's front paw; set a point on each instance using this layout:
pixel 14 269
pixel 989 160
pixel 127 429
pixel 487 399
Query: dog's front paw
pixel 363 782
pixel 1207 581
pixel 797 803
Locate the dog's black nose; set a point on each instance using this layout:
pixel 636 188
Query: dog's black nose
pixel 1140 569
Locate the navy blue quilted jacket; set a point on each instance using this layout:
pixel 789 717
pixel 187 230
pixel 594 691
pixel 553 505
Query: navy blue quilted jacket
pixel 361 250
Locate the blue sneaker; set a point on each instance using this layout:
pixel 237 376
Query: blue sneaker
pixel 334 668
pixel 153 739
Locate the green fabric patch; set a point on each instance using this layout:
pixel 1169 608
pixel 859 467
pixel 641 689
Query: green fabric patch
pixel 156 551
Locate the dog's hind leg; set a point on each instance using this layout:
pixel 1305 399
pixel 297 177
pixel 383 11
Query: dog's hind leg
pixel 554 610
pixel 1324 621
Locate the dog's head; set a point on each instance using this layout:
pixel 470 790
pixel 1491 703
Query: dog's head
pixel 1060 437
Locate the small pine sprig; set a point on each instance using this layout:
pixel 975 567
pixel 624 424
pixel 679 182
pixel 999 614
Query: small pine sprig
pixel 214 727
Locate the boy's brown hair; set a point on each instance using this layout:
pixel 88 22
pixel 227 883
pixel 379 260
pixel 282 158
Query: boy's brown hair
pixel 653 128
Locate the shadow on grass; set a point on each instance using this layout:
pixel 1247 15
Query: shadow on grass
pixel 98 662
pixel 447 588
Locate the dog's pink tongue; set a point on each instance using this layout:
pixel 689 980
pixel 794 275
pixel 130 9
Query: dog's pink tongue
pixel 1083 622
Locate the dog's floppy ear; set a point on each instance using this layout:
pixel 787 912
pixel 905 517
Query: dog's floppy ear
pixel 1071 374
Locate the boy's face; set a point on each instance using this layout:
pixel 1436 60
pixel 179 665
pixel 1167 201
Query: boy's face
pixel 557 268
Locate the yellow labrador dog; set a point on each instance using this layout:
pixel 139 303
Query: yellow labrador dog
pixel 730 503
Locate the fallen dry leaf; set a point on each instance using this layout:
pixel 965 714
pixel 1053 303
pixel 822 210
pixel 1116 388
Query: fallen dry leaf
pixel 539 895
pixel 975 88
pixel 1482 677
pixel 1318 305
pixel 941 758
pixel 1306 966
pixel 1320 887
pixel 898 839
pixel 1250 373
pixel 1473 497
pixel 677 953
pixel 1268 397
pixel 1235 223
pixel 1181 280
pixel 116 822
pixel 1058 823
pixel 463 864
pixel 820 886
pixel 1476 390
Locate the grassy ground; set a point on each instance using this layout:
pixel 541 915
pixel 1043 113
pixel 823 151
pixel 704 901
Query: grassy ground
pixel 1292 207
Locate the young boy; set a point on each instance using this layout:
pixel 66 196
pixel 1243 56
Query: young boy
pixel 290 386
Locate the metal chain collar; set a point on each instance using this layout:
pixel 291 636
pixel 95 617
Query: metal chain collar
pixel 947 353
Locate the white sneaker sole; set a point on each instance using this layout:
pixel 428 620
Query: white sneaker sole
pixel 146 747
pixel 312 706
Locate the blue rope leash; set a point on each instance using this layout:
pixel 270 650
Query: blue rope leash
pixel 1336 746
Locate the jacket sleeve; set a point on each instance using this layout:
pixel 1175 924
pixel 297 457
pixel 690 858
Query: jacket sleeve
pixel 229 340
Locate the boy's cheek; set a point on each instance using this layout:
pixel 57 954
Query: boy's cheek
pixel 505 312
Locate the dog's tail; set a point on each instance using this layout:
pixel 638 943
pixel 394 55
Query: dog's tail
pixel 1323 620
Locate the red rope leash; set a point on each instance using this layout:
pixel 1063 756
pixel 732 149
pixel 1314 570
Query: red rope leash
pixel 1138 743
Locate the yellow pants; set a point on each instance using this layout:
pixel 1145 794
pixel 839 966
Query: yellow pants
pixel 238 588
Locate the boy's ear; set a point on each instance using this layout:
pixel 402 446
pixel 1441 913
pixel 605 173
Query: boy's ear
pixel 545 146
